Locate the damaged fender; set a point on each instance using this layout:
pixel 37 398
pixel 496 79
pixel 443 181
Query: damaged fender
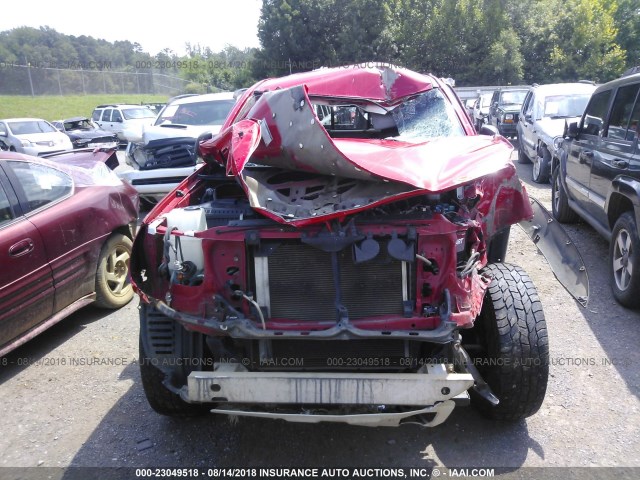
pixel 563 256
pixel 315 178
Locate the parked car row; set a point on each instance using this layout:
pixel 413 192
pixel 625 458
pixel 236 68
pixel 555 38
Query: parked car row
pixel 329 218
pixel 67 221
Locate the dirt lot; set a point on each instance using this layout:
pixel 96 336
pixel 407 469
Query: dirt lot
pixel 60 408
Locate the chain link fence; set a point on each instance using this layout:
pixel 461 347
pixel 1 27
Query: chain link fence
pixel 46 80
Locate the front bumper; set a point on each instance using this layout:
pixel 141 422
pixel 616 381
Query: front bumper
pixel 507 129
pixel 432 390
pixel 157 182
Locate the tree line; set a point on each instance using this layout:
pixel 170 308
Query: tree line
pixel 476 42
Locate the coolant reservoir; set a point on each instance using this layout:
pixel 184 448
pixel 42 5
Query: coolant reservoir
pixel 188 220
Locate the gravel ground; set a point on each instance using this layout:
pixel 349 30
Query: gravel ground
pixel 61 410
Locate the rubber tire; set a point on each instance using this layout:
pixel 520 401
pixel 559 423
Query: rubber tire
pixel 522 157
pixel 105 296
pixel 543 171
pixel 514 331
pixel 560 208
pixel 160 398
pixel 628 297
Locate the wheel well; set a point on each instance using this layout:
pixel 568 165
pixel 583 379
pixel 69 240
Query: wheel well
pixel 541 148
pixel 618 204
pixel 123 230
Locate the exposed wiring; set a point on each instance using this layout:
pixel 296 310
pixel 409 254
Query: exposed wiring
pixel 425 260
pixel 471 264
pixel 255 304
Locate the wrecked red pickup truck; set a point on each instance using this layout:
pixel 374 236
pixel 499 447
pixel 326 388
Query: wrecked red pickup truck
pixel 340 258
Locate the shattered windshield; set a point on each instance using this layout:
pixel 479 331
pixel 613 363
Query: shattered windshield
pixel 426 116
pixel 422 117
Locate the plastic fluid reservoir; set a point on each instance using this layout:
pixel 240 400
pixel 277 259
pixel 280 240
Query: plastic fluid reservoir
pixel 188 220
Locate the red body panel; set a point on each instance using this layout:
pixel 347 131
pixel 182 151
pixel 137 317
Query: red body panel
pixel 275 125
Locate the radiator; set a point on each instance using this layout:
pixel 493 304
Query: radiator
pixel 296 282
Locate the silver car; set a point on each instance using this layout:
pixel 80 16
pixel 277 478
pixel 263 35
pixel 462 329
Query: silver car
pixel 542 119
pixel 33 136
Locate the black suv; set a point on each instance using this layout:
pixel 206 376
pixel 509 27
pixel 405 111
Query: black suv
pixel 597 177
pixel 504 109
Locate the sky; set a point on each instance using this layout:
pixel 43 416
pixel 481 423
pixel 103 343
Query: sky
pixel 154 25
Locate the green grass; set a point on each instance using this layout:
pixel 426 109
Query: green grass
pixel 55 107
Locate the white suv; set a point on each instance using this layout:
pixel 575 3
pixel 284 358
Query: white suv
pixel 162 155
pixel 542 119
pixel 118 118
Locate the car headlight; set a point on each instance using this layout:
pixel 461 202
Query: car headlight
pixel 557 142
pixel 26 143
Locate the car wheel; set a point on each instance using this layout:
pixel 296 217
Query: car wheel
pixel 559 202
pixel 541 167
pixel 113 287
pixel 12 148
pixel 158 374
pixel 160 398
pixel 513 345
pixel 522 157
pixel 624 255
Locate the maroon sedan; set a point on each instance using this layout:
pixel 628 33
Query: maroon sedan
pixel 66 226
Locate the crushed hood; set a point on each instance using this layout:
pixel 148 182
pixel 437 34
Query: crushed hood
pixel 380 83
pixel 312 177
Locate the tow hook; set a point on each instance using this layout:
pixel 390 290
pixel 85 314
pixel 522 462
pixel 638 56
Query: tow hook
pixel 480 386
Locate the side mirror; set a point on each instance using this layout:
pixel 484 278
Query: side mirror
pixel 572 131
pixel 527 117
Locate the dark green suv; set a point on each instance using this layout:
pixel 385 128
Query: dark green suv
pixel 597 178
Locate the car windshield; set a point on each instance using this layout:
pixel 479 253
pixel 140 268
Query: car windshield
pixel 426 116
pixel 137 113
pixel 212 112
pixel 28 127
pixel 563 106
pixel 415 120
pixel 513 97
pixel 83 124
